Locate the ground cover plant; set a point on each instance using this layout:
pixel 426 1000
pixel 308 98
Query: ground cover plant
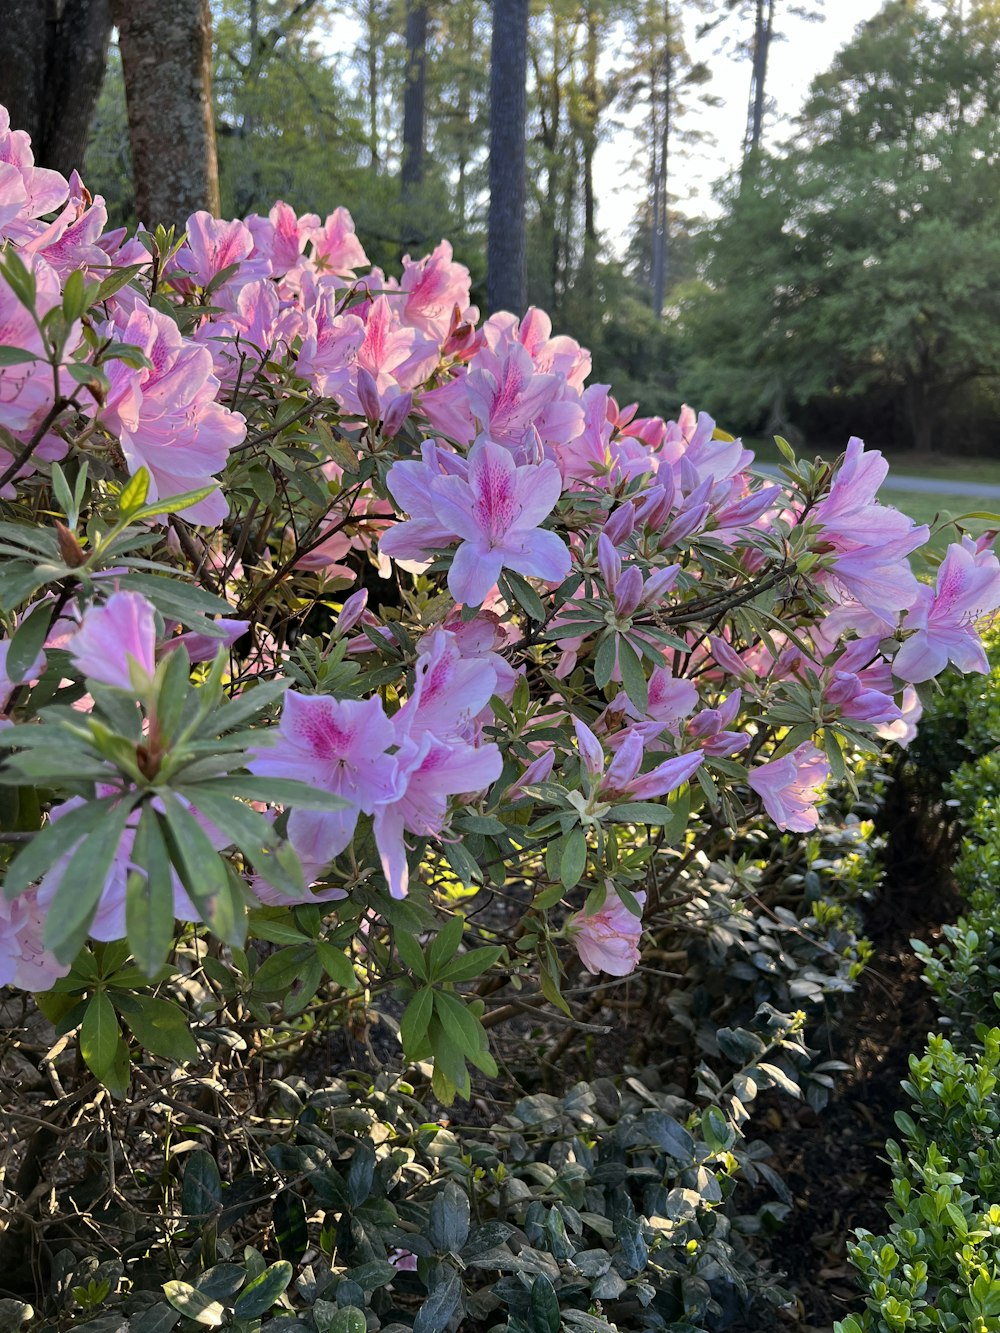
pixel 365 670
pixel 937 1265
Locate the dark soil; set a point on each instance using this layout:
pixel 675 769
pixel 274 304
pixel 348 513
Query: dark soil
pixel 833 1162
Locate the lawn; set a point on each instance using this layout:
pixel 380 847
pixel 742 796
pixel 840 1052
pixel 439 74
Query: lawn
pixel 976 471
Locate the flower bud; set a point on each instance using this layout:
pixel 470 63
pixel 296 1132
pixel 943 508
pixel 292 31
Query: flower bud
pixel 70 550
pixel 591 752
pixel 608 562
pixel 352 611
pixel 395 415
pixel 368 394
pixel 620 525
pixel 628 592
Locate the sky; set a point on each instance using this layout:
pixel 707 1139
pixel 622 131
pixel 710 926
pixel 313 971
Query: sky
pixel 793 64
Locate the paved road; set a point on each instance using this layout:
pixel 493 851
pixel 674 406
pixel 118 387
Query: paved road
pixel 900 481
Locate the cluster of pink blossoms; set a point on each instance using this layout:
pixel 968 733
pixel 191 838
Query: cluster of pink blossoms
pixel 499 463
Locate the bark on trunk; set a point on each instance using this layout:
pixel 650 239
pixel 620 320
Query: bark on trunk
pixel 661 203
pixel 505 251
pixel 763 31
pixel 167 64
pixel 51 74
pixel 414 98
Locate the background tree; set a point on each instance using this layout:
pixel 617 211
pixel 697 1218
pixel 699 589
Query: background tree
pixel 167 63
pixel 414 98
pixel 860 277
pixel 506 266
pixel 52 71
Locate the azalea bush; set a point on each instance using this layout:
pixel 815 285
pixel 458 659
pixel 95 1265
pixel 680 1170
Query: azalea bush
pixel 359 655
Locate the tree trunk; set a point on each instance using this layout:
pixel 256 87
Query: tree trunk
pixel 414 98
pixel 661 201
pixel 506 260
pixel 51 74
pixel 763 31
pixel 167 62
pixel 373 85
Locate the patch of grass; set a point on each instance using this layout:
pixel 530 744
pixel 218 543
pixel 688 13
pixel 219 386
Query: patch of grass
pixel 932 466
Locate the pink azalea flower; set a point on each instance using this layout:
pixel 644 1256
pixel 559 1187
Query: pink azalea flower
pixel 789 787
pixel 868 541
pixel 494 514
pixel 213 245
pixel 434 286
pixel 450 690
pixel 903 731
pixel 432 770
pixel 608 940
pixel 115 637
pixel 35 190
pixel 340 746
pixel 944 620
pixel 279 238
pixel 622 780
pixel 26 388
pixel 335 247
pixel 24 962
pixel 167 418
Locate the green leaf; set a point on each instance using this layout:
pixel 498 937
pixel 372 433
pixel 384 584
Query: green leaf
pixel 55 840
pixel 193 1305
pixel 160 1026
pixel 640 812
pixel 20 279
pixel 288 1215
pixel 27 643
pixel 249 831
pixel 573 857
pixel 465 966
pixel 201 1188
pixel 149 896
pixel 172 504
pixel 277 973
pixel 284 791
pixel 99 1034
pixel 16 356
pixel 525 595
pixel 440 1307
pixel 461 1025
pixel 543 1306
pixel 337 965
pixel 75 296
pixel 133 493
pixel 449 1219
pixel 410 953
pixel 413 1024
pixel 604 661
pixel 445 943
pixel 80 887
pixel 260 1295
pixel 116 281
pixel 201 869
pixel 633 676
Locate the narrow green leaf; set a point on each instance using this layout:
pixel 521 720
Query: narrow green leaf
pixel 160 1026
pixel 445 943
pixel 99 1035
pixel 83 882
pixel 573 857
pixel 149 896
pixel 633 676
pixel 133 493
pixel 413 1024
pixel 27 643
